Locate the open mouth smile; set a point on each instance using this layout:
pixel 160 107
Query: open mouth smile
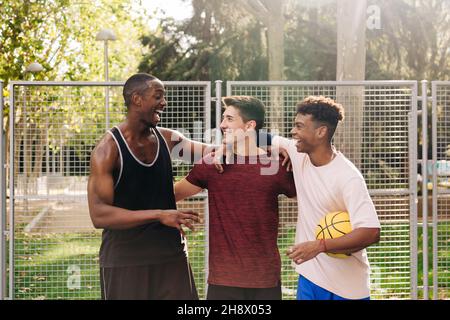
pixel 159 114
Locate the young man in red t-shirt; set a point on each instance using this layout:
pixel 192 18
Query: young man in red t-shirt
pixel 244 262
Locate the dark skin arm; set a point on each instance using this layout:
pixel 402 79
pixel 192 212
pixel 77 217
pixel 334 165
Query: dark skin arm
pixel 184 189
pixel 183 148
pixel 104 215
pixel 354 241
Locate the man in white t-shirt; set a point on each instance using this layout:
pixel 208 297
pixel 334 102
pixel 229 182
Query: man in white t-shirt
pixel 326 181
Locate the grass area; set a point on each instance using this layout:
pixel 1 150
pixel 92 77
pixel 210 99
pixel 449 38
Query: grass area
pixel 444 261
pixel 289 277
pixel 196 245
pixel 49 266
pixel 391 268
pixel 57 266
pixel 65 266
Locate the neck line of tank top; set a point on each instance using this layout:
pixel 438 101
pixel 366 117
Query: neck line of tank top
pixel 132 154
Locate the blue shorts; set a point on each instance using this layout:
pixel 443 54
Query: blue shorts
pixel 306 290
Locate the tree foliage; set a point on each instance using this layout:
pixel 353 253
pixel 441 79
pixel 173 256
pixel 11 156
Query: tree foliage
pixel 60 35
pixel 218 42
pixel 224 41
pixel 413 41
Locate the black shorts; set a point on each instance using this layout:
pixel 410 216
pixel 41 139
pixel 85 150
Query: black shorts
pixel 169 281
pixel 216 292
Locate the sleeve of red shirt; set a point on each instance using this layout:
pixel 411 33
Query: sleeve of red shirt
pixel 286 183
pixel 198 175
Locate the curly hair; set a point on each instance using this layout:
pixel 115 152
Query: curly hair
pixel 323 110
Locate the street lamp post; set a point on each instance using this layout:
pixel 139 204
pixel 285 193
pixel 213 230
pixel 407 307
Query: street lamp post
pixel 106 35
pixel 34 67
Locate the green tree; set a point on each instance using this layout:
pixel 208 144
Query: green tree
pixel 220 41
pixel 412 42
pixel 31 31
pixel 60 35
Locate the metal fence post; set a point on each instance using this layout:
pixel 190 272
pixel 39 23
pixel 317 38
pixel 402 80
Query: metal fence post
pixel 425 187
pixel 3 202
pixel 206 261
pixel 413 191
pixel 434 207
pixel 218 111
pixel 11 191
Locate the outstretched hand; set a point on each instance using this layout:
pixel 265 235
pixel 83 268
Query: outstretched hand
pixel 178 218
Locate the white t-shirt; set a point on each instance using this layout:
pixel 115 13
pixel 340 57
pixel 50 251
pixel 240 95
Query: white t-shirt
pixel 336 186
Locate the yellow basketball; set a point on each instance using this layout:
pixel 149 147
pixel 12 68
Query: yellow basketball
pixel 334 225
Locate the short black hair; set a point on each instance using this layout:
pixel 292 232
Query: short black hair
pixel 137 83
pixel 250 108
pixel 323 110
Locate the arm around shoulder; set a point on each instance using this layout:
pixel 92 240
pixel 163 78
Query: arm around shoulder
pixel 183 148
pixel 184 189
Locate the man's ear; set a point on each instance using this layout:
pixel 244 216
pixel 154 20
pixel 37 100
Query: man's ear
pixel 250 125
pixel 322 132
pixel 136 99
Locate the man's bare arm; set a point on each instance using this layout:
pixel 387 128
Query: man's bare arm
pixel 184 148
pixel 184 189
pixel 101 196
pixel 354 241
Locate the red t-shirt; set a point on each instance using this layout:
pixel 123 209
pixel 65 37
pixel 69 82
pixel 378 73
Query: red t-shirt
pixel 243 219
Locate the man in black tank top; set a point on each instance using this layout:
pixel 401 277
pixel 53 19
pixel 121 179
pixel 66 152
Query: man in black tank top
pixel 131 197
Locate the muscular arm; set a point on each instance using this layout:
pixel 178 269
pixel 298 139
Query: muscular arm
pixel 186 149
pixel 184 189
pixel 354 241
pixel 101 196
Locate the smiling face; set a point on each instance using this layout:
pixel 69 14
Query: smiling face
pixel 307 133
pixel 152 102
pixel 233 126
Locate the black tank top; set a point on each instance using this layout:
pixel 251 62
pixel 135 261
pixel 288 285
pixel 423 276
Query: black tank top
pixel 141 186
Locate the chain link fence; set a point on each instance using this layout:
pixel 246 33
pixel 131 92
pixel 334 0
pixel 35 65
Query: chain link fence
pixel 441 189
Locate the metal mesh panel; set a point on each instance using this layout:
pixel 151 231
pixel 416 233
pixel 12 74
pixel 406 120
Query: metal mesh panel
pixel 375 136
pixel 56 248
pixel 390 258
pixel 197 241
pixel 441 189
